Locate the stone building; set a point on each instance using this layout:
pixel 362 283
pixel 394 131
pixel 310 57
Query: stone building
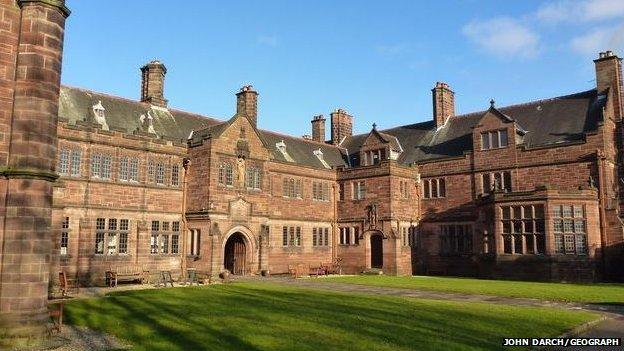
pixel 528 191
pixel 92 182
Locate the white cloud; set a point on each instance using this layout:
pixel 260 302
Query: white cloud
pixel 584 11
pixel 267 40
pixel 600 39
pixel 503 36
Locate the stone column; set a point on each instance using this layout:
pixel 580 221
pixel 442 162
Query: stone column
pixel 29 170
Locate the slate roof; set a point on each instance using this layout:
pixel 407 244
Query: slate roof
pixel 123 115
pixel 546 122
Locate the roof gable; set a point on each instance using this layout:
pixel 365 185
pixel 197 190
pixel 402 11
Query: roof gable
pixel 545 122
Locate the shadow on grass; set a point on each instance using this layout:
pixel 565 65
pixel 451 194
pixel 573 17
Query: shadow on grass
pixel 253 317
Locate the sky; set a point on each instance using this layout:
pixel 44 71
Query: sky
pixel 378 60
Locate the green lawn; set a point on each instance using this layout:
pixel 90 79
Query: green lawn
pixel 263 316
pixel 587 293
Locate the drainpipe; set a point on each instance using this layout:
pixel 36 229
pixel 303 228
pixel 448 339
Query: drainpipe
pixel 602 203
pixel 334 223
pixel 186 163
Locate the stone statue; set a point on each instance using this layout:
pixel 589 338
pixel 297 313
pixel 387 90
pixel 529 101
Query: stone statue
pixel 241 172
pixel 372 215
pixel 497 185
pixel 592 183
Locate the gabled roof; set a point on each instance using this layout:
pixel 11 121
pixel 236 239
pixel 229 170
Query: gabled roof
pixel 546 122
pixel 505 118
pixel 75 105
pixel 124 115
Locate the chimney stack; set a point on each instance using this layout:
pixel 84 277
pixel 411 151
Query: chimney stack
pixel 318 128
pixel 247 104
pixel 153 83
pixel 609 76
pixel 341 126
pixel 443 103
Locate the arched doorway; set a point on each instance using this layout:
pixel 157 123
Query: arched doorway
pixel 376 241
pixel 235 254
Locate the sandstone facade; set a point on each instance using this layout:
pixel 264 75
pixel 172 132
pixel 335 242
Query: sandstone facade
pixel 93 182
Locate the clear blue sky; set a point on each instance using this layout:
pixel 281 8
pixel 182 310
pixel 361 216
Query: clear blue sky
pixel 376 59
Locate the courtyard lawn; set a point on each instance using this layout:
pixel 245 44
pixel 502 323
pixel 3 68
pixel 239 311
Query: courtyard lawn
pixel 583 293
pixel 263 316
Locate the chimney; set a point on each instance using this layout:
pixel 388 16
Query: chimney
pixel 153 83
pixel 318 128
pixel 443 103
pixel 341 126
pixel 609 76
pixel 247 104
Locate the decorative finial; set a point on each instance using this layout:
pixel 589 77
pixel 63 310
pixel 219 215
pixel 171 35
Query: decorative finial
pixel 492 103
pixel 375 126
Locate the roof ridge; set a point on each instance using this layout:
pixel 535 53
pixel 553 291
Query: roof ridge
pixel 136 101
pixel 311 141
pixel 498 108
pixel 104 94
pixel 530 102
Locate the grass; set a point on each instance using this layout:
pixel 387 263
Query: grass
pixel 584 293
pixel 262 316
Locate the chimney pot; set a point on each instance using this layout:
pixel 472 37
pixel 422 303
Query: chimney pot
pixel 247 103
pixel 341 126
pixel 318 128
pixel 153 83
pixel 609 76
pixel 443 103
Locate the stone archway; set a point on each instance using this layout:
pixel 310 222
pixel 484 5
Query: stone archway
pixel 239 241
pixel 376 250
pixel 235 254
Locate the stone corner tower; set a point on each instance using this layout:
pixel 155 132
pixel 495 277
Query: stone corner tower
pixel 30 74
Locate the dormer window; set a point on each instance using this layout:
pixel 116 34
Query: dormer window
pixel 98 110
pixel 99 116
pixel 281 146
pixel 319 154
pixel 374 157
pixel 494 139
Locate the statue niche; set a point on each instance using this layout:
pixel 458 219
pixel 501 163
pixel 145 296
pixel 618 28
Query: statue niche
pixel 371 214
pixel 240 165
pixel 242 152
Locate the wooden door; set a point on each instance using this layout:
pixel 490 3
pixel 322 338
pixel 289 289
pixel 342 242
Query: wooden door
pixel 376 251
pixel 234 255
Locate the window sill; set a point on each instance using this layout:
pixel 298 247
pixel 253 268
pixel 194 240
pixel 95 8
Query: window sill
pixel 163 255
pixel 434 198
pixel 119 257
pixel 495 148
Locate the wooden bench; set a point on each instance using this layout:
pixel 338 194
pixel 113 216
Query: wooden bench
pixel 298 270
pixel 126 273
pixel 164 278
pixel 335 267
pixel 316 271
pixel 67 285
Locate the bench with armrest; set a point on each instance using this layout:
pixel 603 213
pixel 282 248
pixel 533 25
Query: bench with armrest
pixel 335 267
pixel 298 270
pixel 68 285
pixel 321 269
pixel 127 273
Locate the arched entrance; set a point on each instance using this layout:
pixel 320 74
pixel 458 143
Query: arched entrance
pixel 376 241
pixel 234 257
